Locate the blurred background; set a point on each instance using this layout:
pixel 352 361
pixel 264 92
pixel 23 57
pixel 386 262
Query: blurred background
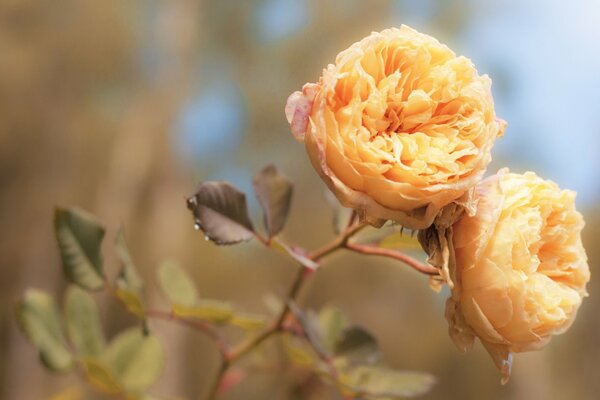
pixel 121 107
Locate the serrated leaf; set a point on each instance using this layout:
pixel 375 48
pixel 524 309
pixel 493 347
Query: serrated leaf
pixel 248 321
pixel 220 210
pixel 295 254
pixel 274 193
pixel 83 323
pixel 357 345
pixel 399 240
pixel 100 376
pixel 177 284
pixel 134 358
pixel 131 301
pixel 376 382
pixel 215 311
pixel 128 279
pixel 332 322
pixel 38 318
pixel 79 236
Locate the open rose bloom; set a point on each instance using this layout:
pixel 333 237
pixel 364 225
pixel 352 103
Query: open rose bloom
pixel 520 269
pixel 398 127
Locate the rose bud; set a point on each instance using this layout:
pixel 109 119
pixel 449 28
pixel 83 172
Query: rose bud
pixel 520 268
pixel 398 127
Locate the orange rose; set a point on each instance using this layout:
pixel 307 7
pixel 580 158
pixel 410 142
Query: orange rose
pixel 521 269
pixel 399 127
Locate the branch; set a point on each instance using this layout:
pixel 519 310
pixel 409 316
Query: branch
pixel 396 255
pixel 277 326
pixel 200 326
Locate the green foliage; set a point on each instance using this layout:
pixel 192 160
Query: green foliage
pixel 39 320
pixel 356 345
pixel 274 193
pixel 129 283
pixel 135 358
pixel 376 382
pixel 324 344
pixel 83 323
pixel 186 302
pixel 220 210
pixel 79 238
pixel 177 284
pixel 295 254
pixel 353 353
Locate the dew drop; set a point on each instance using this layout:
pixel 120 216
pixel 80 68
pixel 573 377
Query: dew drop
pixel 197 227
pixel 206 238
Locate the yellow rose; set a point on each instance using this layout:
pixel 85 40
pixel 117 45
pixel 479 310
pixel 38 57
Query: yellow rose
pixel 399 127
pixel 520 267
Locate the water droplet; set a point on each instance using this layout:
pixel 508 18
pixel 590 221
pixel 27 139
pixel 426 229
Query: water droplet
pixel 197 227
pixel 206 238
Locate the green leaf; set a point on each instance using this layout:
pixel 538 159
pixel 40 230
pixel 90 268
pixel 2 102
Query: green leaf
pixel 83 323
pixel 375 382
pixel 400 240
pixel 38 318
pixel 220 210
pixel 298 352
pixel 274 193
pixel 79 237
pixel 248 321
pixel 295 254
pixel 332 322
pixel 216 311
pixel 131 301
pixel 70 393
pixel 311 328
pixel 357 346
pixel 134 358
pixel 129 278
pixel 177 285
pixel 100 376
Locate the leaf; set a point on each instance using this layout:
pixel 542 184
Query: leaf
pixel 274 193
pixel 376 382
pixel 129 278
pixel 220 210
pixel 211 310
pixel 70 393
pixel 295 254
pixel 400 240
pixel 298 352
pixel 38 318
pixel 311 328
pixel 177 284
pixel 131 301
pixel 332 322
pixel 100 376
pixel 83 323
pixel 79 237
pixel 134 358
pixel 357 346
pixel 248 321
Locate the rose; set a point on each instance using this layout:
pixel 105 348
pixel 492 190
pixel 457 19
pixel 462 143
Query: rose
pixel 399 127
pixel 520 267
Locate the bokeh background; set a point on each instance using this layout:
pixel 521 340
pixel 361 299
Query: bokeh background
pixel 120 107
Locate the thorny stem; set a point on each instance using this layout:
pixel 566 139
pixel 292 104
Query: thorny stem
pixel 201 326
